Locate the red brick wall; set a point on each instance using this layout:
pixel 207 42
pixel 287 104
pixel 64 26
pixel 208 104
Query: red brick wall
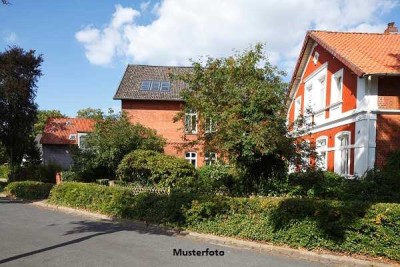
pixel 159 115
pixel 387 136
pixel 389 93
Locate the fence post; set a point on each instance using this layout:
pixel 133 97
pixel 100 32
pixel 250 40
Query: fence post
pixel 58 177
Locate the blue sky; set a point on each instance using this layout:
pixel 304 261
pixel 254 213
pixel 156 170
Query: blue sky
pixel 86 45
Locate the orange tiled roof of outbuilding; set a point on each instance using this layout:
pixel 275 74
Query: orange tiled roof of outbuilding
pixel 58 130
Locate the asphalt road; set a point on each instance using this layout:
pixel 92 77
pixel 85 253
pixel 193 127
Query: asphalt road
pixel 35 236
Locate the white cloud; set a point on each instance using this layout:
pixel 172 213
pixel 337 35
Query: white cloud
pixel 144 6
pixel 11 38
pixel 185 29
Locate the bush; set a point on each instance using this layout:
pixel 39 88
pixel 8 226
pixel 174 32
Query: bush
pixel 70 176
pixel 40 173
pixel 218 177
pixel 4 171
pixel 343 226
pixel 156 169
pixel 29 189
pixel 122 202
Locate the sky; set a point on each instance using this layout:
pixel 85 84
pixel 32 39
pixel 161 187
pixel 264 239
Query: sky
pixel 86 45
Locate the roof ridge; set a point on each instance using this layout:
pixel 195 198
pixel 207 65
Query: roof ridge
pixel 366 33
pixel 158 66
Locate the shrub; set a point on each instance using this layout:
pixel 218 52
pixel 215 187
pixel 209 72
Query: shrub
pixel 29 189
pixel 70 176
pixel 122 202
pixel 156 169
pixel 218 178
pixel 40 173
pixel 4 171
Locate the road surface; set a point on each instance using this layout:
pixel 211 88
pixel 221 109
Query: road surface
pixel 35 236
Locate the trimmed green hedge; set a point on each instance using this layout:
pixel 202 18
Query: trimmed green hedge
pixel 29 189
pixel 344 226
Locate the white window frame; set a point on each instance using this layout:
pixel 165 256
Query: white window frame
pixel 191 157
pixel 340 150
pixel 210 157
pixel 209 125
pixel 337 98
pixel 189 117
pixel 79 139
pixel 297 107
pixel 322 149
pixel 315 58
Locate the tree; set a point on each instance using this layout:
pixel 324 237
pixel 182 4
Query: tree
pixel 19 73
pixel 241 113
pixel 42 117
pixel 112 138
pixel 90 113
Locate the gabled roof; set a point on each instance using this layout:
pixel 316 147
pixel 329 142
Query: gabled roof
pixel 129 88
pixel 58 130
pixel 363 53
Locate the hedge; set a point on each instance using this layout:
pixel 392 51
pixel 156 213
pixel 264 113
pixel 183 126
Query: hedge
pixel 29 189
pixel 344 226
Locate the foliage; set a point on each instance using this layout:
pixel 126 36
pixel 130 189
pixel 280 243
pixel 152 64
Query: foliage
pixel 70 176
pixel 218 178
pixel 42 116
pixel 41 173
pixel 112 139
pixel 4 171
pixel 90 113
pixel 3 154
pixel 19 73
pixel 121 202
pixel 157 169
pixel 29 189
pixel 244 96
pixel 3 185
pixel 343 226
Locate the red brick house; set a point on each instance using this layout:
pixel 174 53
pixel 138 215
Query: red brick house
pixel 351 83
pixel 151 98
pixel 60 135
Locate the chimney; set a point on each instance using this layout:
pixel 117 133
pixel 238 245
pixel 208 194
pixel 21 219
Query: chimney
pixel 391 28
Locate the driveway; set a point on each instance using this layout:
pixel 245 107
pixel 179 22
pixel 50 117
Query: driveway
pixel 35 236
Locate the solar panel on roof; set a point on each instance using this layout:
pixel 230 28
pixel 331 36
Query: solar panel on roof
pixel 165 86
pixel 145 85
pixel 155 85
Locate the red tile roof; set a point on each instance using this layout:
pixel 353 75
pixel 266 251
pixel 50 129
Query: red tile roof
pixel 364 53
pixel 58 130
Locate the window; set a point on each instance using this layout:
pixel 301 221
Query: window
pixel 72 137
pixel 342 153
pixel 210 126
pixel 210 158
pixel 145 85
pixel 165 86
pixel 191 122
pixel 336 87
pixel 191 157
pixel 315 58
pixel 297 107
pixel 82 140
pixel 320 93
pixel 155 85
pixel 322 152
